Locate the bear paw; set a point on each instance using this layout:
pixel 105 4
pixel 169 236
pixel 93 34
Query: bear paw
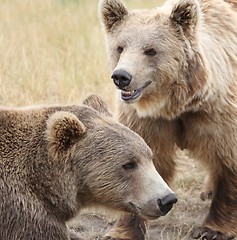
pixel 209 234
pixel 206 195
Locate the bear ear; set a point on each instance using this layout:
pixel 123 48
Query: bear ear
pixel 64 129
pixel 186 14
pixel 98 104
pixel 112 13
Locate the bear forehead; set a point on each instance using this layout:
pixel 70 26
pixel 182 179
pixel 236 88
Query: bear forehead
pixel 144 26
pixel 149 16
pixel 142 32
pixel 119 134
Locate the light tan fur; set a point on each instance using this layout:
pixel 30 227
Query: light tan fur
pixel 191 98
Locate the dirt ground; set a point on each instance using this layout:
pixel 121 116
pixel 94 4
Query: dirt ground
pixel 189 211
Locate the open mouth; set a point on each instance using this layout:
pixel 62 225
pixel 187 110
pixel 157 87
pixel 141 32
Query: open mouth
pixel 132 95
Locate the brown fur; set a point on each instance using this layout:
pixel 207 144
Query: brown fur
pixel 191 99
pixel 134 229
pixel 57 160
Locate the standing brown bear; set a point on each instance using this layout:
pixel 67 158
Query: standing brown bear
pixel 56 160
pixel 176 67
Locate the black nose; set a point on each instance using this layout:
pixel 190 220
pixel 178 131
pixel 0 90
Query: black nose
pixel 167 202
pixel 121 78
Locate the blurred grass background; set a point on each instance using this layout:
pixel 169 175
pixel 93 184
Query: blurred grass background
pixel 53 51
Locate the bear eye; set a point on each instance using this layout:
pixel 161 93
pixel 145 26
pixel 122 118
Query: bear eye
pixel 119 49
pixel 150 52
pixel 129 165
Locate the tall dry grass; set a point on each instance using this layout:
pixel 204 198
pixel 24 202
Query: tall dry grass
pixel 53 52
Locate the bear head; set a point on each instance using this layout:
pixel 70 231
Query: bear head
pixel 156 56
pixel 110 164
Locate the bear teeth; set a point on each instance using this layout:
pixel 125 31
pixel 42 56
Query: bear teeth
pixel 134 94
pixel 129 93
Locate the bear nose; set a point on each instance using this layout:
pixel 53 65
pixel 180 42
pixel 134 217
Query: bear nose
pixel 165 204
pixel 121 78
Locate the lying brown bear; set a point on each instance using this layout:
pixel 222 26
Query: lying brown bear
pixel 56 160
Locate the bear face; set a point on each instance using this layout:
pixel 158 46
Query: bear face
pixel 114 169
pixel 57 160
pixel 156 56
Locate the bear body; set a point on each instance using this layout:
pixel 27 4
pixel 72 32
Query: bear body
pixel 56 160
pixel 176 69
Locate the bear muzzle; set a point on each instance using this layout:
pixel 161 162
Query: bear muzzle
pixel 151 211
pixel 122 80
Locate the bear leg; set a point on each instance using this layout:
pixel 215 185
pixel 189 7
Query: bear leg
pixel 207 191
pixel 128 227
pixel 220 224
pixel 165 165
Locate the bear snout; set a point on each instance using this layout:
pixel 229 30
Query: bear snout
pixel 165 204
pixel 121 78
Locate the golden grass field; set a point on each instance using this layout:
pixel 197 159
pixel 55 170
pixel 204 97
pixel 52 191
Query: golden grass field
pixel 53 52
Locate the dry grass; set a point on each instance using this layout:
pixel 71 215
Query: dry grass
pixel 53 51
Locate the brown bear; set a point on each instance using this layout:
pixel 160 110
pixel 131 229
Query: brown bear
pixel 56 160
pixel 176 69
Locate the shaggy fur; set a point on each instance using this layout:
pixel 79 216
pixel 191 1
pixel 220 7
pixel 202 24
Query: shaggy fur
pixel 56 160
pixel 182 58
